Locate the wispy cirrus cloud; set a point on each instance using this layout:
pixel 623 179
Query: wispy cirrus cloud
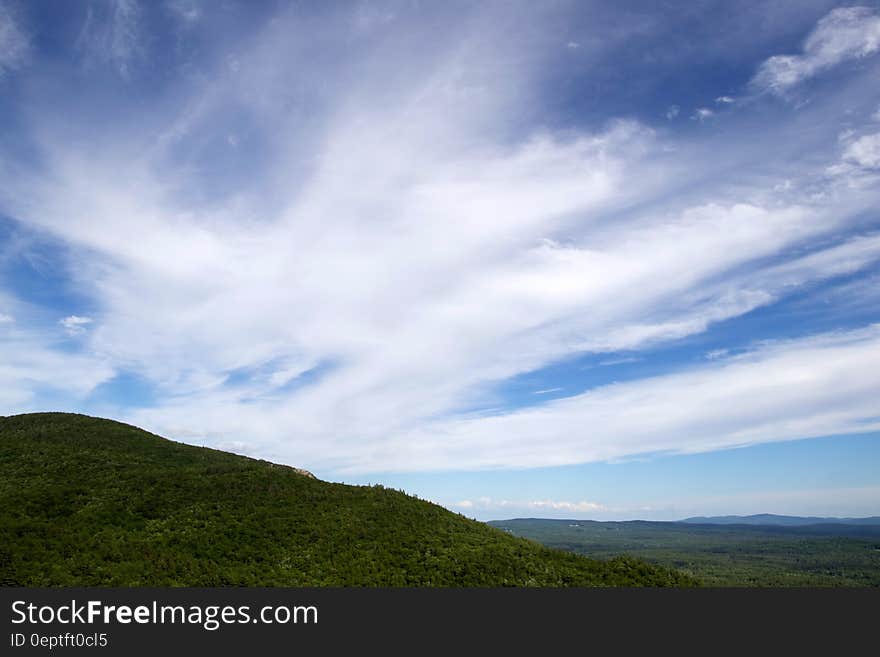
pixel 845 33
pixel 735 401
pixel 859 163
pixel 855 501
pixel 864 151
pixel 35 376
pixel 547 507
pixel 74 324
pixel 14 42
pixel 391 237
pixel 111 34
pixel 188 11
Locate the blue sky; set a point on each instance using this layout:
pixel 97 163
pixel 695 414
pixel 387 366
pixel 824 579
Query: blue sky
pixel 562 259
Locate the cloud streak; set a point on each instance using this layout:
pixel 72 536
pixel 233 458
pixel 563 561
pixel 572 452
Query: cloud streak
pixel 858 501
pixel 14 42
pixel 549 507
pixel 111 34
pixel 844 34
pixel 391 238
pixel 822 385
pixel 75 325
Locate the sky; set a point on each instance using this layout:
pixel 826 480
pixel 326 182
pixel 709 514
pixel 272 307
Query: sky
pixel 558 259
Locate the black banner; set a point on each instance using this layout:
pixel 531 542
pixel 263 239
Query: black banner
pixel 328 621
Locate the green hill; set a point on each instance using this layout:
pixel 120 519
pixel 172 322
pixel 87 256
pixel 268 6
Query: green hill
pixel 85 501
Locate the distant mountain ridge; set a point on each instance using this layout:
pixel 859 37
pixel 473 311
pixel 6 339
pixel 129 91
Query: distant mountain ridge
pixel 784 521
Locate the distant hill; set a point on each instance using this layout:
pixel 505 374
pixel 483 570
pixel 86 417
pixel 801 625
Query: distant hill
pixel 86 501
pixel 784 521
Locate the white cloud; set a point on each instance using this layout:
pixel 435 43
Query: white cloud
pixel 576 507
pixel 856 501
pixel 75 325
pixel 289 370
pixel 14 42
pixel 845 33
pixel 859 162
pixel 31 370
pixel 410 245
pixel 864 151
pixel 546 507
pixel 546 391
pixel 187 11
pixel 235 446
pixel 111 34
pixel 450 291
pixel 702 114
pixel 844 258
pixel 618 361
pixel 5 319
pixel 822 385
pixel 784 186
pixel 672 112
pixel 725 100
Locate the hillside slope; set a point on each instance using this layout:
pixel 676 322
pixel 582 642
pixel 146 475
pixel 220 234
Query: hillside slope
pixel 85 501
